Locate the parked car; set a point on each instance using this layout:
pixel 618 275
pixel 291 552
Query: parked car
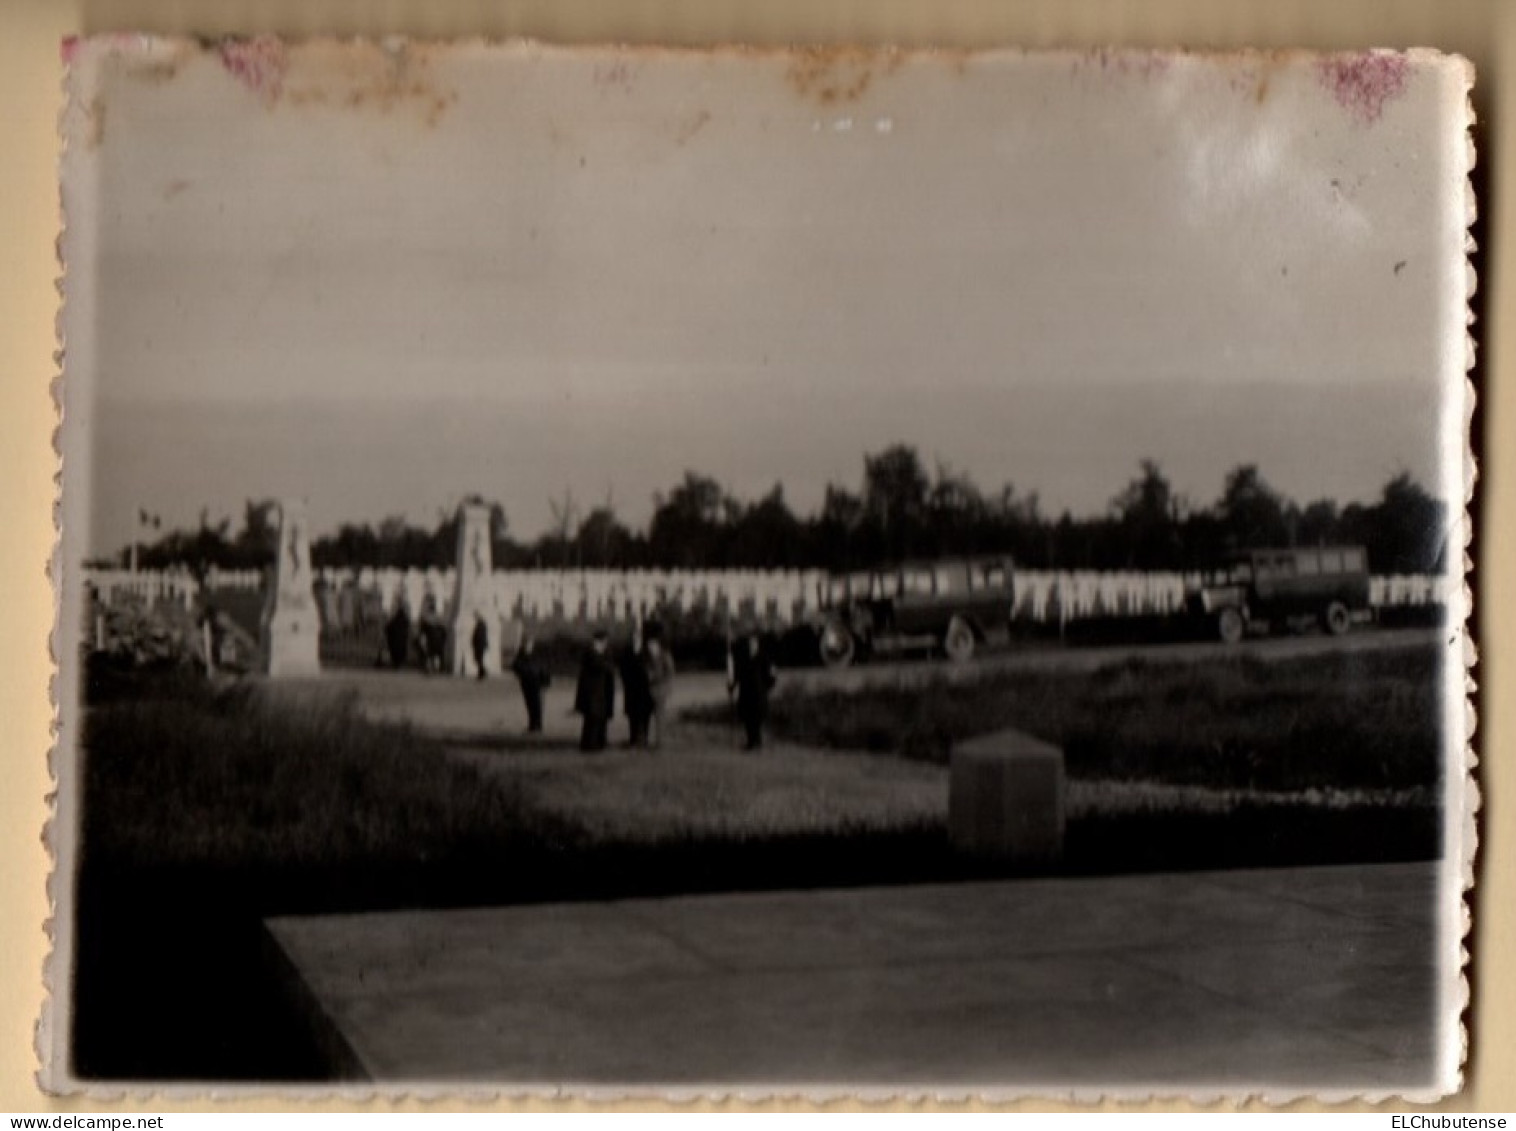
pixel 947 606
pixel 1262 588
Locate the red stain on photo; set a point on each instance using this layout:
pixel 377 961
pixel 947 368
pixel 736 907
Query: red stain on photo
pixel 258 64
pixel 1121 61
pixel 1362 84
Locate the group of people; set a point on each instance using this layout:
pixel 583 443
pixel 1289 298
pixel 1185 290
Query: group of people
pixel 426 638
pixel 646 671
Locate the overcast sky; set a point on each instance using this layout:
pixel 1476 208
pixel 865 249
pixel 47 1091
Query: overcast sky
pixel 384 282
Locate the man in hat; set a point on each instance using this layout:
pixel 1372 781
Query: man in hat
pixel 397 635
pixel 636 690
pixel 481 643
pixel 595 696
pixel 752 678
pixel 533 677
pixel 431 635
pixel 660 678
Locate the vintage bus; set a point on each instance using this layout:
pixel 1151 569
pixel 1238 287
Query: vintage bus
pixel 946 607
pixel 1260 589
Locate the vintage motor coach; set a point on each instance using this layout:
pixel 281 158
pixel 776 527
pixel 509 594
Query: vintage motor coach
pixel 1268 588
pixel 947 606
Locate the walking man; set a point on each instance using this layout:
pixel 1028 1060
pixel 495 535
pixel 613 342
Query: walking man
pixel 397 635
pixel 481 642
pixel 431 634
pixel 752 678
pixel 595 696
pixel 533 677
pixel 636 689
pixel 660 680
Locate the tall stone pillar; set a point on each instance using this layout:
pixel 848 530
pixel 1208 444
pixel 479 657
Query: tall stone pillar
pixel 472 599
pixel 291 624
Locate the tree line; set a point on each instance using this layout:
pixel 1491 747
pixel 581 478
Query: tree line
pixel 901 510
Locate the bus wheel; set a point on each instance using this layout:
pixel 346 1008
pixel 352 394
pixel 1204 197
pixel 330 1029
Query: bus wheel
pixel 958 641
pixel 1230 626
pixel 836 645
pixel 1336 619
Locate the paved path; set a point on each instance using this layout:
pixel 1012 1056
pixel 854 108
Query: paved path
pixel 1279 980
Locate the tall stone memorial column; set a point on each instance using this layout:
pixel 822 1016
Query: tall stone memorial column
pixel 291 623
pixel 472 598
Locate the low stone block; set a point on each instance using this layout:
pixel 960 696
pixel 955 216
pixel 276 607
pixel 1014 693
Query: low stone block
pixel 1006 797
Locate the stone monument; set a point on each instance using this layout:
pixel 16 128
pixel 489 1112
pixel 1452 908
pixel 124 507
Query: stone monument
pixel 472 598
pixel 1006 797
pixel 291 624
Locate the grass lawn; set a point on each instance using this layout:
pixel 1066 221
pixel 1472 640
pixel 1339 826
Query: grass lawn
pixel 1366 721
pixel 237 779
pixel 704 793
pixel 698 790
pixel 262 780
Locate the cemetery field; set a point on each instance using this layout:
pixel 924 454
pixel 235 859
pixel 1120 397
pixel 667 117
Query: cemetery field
pixel 209 809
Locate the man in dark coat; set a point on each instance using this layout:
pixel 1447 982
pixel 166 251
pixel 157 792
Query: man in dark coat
pixel 595 697
pixel 659 666
pixel 752 678
pixel 431 635
pixel 481 642
pixel 533 677
pixel 638 690
pixel 397 634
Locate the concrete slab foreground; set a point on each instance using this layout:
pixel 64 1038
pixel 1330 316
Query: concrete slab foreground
pixel 1283 980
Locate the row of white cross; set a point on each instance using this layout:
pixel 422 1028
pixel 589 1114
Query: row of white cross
pixel 782 597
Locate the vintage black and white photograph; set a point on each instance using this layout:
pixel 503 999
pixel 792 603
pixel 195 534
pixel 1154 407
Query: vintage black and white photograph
pixel 768 571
